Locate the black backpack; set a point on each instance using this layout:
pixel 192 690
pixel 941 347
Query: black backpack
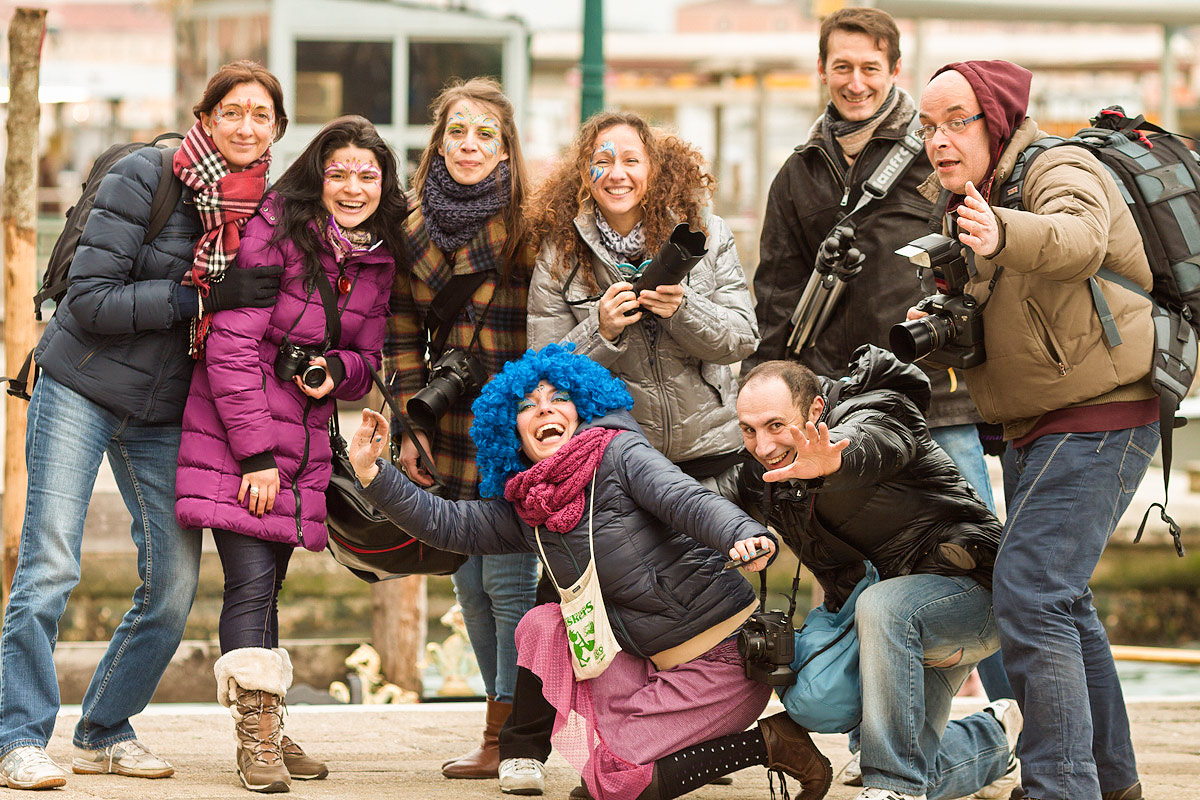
pixel 56 278
pixel 1158 176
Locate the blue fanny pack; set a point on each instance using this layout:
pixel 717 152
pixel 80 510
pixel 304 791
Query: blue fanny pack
pixel 827 694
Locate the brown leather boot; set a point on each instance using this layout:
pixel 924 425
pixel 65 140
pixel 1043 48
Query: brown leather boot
pixel 791 750
pixel 259 716
pixel 483 761
pixel 490 698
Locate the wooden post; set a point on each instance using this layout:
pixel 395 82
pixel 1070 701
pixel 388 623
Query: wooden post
pixel 25 34
pixel 398 623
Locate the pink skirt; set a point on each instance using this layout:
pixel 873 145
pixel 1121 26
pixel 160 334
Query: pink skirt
pixel 613 728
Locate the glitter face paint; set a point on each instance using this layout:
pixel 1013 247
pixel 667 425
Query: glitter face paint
pixel 233 113
pixel 620 175
pixel 353 186
pixel 472 143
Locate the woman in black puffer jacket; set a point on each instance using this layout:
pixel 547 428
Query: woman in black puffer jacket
pixel 553 433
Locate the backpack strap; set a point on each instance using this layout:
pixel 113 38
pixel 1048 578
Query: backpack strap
pixel 166 194
pixel 21 384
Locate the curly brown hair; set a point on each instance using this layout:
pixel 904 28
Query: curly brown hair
pixel 678 189
pixel 488 92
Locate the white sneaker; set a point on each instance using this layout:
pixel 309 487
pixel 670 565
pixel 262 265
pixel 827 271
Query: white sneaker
pixel 29 767
pixel 522 776
pixel 874 793
pixel 130 758
pixel 851 774
pixel 1008 714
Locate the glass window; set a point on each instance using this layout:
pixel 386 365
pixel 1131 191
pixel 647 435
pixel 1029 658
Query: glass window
pixel 431 65
pixel 335 78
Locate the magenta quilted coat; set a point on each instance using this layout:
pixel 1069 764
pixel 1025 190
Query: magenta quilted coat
pixel 239 414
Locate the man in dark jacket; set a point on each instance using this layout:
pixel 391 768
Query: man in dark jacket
pixel 822 181
pixel 1079 413
pixel 845 470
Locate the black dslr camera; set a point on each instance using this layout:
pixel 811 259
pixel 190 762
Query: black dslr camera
pixel 952 334
pixel 292 360
pixel 456 374
pixel 767 643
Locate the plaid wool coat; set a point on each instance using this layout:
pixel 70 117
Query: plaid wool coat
pixel 501 339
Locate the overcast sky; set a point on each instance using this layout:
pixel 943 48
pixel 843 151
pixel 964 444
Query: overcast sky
pixel 647 15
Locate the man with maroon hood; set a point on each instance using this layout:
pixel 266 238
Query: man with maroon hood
pixel 1080 417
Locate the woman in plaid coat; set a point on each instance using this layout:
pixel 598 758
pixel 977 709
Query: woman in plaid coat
pixel 466 226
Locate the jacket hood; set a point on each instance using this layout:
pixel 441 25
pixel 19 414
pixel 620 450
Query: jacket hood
pixel 618 420
pixel 875 368
pixel 1002 89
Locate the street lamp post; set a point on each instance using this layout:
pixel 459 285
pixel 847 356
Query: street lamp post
pixel 591 66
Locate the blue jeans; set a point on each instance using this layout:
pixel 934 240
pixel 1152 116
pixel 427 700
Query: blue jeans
pixel 254 572
pixel 919 637
pixel 961 443
pixel 66 439
pixel 495 592
pixel 1066 492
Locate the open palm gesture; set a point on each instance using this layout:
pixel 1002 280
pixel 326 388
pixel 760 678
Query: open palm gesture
pixel 815 454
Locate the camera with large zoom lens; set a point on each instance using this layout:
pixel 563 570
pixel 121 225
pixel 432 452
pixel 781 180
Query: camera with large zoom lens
pixel 456 374
pixel 767 643
pixel 292 361
pixel 952 334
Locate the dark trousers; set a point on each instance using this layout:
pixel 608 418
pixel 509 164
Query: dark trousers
pixel 254 571
pixel 526 733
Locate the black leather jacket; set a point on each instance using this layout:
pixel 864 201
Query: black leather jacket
pixel 812 191
pixel 895 498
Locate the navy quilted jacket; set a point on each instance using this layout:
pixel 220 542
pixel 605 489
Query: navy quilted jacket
pixel 117 338
pixel 661 540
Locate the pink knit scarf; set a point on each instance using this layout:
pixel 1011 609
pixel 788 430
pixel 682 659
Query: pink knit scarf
pixel 551 492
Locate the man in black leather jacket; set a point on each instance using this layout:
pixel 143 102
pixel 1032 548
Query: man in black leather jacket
pixel 845 470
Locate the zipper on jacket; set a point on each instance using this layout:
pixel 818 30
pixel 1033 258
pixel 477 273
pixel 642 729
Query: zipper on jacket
pixel 88 357
pixel 300 471
pixel 1049 345
pixel 656 366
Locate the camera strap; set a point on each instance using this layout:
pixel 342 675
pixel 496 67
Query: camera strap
pixel 446 307
pixel 333 336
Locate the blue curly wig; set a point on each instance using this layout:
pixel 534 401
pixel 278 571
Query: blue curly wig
pixel 593 389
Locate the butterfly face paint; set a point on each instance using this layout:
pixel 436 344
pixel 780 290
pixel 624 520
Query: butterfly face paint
pixel 620 174
pixel 353 186
pixel 602 160
pixel 472 144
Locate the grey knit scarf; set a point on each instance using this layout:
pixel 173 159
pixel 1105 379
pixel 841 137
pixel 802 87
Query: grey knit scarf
pixel 455 213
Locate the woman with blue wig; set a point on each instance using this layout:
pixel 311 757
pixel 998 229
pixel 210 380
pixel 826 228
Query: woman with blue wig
pixel 568 474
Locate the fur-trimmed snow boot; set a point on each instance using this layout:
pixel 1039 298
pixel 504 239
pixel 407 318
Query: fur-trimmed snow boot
pixel 251 683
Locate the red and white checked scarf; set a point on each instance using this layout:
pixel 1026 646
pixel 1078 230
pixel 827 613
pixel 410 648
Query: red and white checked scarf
pixel 225 201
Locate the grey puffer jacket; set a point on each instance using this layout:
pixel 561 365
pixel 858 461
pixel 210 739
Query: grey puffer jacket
pixel 677 369
pixel 117 337
pixel 896 497
pixel 661 539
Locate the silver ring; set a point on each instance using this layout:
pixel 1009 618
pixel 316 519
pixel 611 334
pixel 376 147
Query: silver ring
pixel 253 490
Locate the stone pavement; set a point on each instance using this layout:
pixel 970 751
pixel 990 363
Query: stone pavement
pixel 395 752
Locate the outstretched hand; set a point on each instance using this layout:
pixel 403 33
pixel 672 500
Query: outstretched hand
pixel 815 454
pixel 367 445
pixel 977 225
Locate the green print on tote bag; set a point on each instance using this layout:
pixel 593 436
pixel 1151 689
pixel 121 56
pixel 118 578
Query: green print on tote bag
pixel 593 645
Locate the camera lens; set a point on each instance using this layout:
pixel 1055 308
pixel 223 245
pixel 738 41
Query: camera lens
pixel 428 405
pixel 917 338
pixel 313 376
pixel 751 645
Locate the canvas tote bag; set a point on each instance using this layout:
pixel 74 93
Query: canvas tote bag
pixel 593 645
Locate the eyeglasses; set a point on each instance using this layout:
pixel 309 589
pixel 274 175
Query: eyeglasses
pixel 235 115
pixel 948 127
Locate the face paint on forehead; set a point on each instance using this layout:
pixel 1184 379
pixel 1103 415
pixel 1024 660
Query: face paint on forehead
pixel 249 105
pixel 364 169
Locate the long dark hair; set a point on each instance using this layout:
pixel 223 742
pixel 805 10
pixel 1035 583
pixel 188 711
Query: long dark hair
pixel 303 182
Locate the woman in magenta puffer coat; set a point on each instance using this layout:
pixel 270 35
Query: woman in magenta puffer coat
pixel 254 462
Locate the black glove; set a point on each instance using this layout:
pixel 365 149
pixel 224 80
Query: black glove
pixel 839 255
pixel 256 287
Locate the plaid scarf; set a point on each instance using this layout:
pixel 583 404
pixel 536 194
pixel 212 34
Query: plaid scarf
pixel 550 492
pixel 225 201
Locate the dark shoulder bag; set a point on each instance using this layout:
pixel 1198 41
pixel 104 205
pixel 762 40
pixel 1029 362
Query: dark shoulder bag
pixel 361 538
